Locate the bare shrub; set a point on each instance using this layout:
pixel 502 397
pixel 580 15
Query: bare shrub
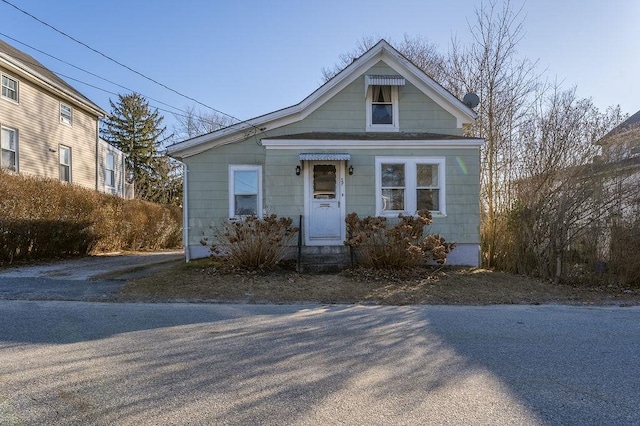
pixel 404 245
pixel 43 218
pixel 254 243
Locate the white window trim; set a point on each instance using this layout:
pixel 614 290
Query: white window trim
pixel 107 169
pixel 395 126
pixel 17 99
pixel 16 151
pixel 63 119
pixel 60 147
pixel 410 196
pixel 243 167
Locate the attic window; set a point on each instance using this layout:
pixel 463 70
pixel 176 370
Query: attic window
pixel 382 109
pixel 382 102
pixel 381 105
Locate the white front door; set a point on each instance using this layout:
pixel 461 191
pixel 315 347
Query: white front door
pixel 324 203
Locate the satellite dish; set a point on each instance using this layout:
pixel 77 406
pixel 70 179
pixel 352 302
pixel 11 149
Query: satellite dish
pixel 471 100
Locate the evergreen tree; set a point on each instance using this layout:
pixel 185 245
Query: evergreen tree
pixel 137 130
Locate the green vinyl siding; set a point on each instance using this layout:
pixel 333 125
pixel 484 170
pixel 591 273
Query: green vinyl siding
pixel 208 184
pixel 283 190
pixel 345 112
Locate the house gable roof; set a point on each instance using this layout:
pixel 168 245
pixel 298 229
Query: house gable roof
pixel 382 51
pixel 38 73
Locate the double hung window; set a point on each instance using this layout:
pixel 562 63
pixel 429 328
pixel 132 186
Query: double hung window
pixel 382 108
pixel 245 190
pixel 109 172
pixel 9 149
pixel 406 185
pixel 66 114
pixel 9 88
pixel 65 163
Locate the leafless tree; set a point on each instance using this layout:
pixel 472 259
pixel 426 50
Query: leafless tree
pixel 195 122
pixel 563 194
pixel 491 67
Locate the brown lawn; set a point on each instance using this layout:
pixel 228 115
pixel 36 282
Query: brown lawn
pixel 203 281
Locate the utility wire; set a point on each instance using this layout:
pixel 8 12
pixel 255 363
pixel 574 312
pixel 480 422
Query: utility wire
pixel 38 65
pixel 121 64
pixel 86 71
pixel 117 94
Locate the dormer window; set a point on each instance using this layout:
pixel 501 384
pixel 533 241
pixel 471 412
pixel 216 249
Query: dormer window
pixel 382 102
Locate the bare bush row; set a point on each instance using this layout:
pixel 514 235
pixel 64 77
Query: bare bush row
pixel 41 218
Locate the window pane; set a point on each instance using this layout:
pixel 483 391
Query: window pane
pixel 246 205
pixel 8 139
pixel 427 174
pixel 428 199
pixel 392 175
pixel 9 88
pixel 64 155
pixel 382 94
pixel 324 181
pixel 245 182
pixel 393 199
pixel 65 114
pixel 381 114
pixel 8 160
pixel 109 178
pixel 110 161
pixel 65 173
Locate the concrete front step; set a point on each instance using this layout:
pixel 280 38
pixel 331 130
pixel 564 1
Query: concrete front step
pixel 323 258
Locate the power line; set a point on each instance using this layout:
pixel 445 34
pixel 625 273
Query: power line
pixel 38 65
pixel 86 71
pixel 117 94
pixel 121 64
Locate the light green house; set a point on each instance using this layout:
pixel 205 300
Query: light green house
pixel 380 138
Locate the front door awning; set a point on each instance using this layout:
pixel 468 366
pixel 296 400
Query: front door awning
pixel 325 156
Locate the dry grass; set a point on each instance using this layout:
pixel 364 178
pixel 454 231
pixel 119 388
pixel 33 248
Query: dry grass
pixel 205 281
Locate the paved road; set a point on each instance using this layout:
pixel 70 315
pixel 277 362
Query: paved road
pixel 95 278
pixel 105 363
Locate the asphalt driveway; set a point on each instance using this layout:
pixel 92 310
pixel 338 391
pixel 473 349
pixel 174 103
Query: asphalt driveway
pixel 108 363
pixel 94 278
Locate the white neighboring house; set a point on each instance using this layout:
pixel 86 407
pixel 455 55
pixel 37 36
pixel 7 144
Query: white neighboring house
pixel 111 171
pixel 49 129
pixel 621 161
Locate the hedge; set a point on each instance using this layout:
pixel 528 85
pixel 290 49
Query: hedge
pixel 44 218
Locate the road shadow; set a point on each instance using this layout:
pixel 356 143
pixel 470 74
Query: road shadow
pixel 247 364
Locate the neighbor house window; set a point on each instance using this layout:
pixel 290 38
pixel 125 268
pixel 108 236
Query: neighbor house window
pixel 406 185
pixel 65 163
pixel 109 172
pixel 66 114
pixel 245 190
pixel 9 148
pixel 9 88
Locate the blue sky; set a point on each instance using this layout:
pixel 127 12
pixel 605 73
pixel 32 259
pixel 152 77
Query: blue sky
pixel 247 58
